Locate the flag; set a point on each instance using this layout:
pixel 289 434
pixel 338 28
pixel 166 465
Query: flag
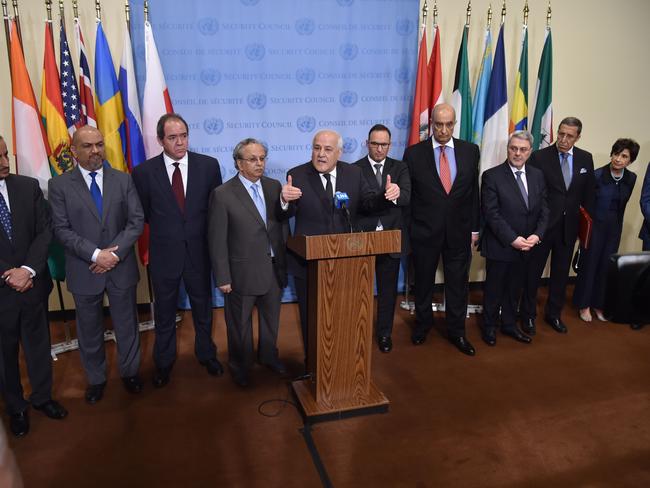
pixel 156 101
pixel 435 72
pixel 543 118
pixel 461 98
pixel 52 110
pixel 69 91
pixel 86 98
pixel 110 113
pixel 495 130
pixel 134 143
pixel 519 114
pixel 422 97
pixel 480 92
pixel 129 92
pixel 29 139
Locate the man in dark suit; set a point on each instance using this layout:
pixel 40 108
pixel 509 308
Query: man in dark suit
pixel 174 189
pixel 444 222
pixel 376 168
pixel 515 212
pixel 644 233
pixel 309 196
pixel 570 183
pixel 25 284
pixel 98 218
pixel 247 232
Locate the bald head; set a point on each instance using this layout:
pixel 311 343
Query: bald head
pixel 88 148
pixel 326 150
pixel 443 120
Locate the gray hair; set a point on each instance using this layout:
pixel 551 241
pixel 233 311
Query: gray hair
pixel 521 134
pixel 236 153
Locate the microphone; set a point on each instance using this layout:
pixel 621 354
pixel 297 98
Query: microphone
pixel 341 200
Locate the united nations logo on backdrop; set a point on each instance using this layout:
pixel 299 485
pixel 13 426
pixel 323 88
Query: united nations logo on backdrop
pixel 402 75
pixel 306 123
pixel 345 3
pixel 348 98
pixel 249 2
pixel 256 101
pixel 404 27
pixel 213 126
pixel 305 26
pixel 348 51
pixel 210 76
pixel 305 76
pixel 208 26
pixel 401 121
pixel 349 145
pixel 255 52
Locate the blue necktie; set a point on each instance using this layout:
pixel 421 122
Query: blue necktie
pixel 5 217
pixel 522 188
pixel 566 171
pixel 259 202
pixel 96 194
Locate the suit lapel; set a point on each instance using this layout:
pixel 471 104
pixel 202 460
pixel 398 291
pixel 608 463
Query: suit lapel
pixel 193 181
pixel 15 207
pixel 165 185
pixel 431 163
pixel 514 187
pixel 244 197
pixel 316 183
pixel 81 188
pixel 108 190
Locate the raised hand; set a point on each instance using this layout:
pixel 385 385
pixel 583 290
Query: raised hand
pixel 290 192
pixel 392 190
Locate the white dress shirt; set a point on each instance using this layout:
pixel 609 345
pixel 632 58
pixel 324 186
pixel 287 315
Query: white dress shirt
pixel 182 165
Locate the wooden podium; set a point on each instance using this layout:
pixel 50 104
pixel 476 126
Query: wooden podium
pixel 340 327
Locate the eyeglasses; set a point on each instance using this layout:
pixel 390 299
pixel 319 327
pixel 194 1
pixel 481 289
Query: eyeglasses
pixel 261 159
pixel 382 145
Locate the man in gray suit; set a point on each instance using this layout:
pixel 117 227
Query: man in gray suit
pixel 97 217
pixel 247 235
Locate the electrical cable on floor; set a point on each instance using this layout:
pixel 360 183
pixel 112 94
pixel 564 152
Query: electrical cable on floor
pixel 283 401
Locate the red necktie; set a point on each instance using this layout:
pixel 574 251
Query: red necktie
pixel 445 173
pixel 177 187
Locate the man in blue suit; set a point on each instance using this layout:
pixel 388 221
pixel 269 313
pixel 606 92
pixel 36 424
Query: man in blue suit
pixel 513 201
pixel 174 189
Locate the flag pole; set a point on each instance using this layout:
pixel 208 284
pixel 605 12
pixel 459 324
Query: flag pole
pixel 503 12
pixel 468 16
pixel 5 16
pixel 526 11
pixel 75 9
pixel 14 3
pixel 489 17
pixel 127 12
pixel 548 15
pixel 98 10
pixel 146 10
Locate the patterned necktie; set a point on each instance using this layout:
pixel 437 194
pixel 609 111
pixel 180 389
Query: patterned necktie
pixel 329 189
pixel 259 202
pixel 378 175
pixel 5 217
pixel 96 194
pixel 177 187
pixel 566 171
pixel 522 188
pixel 445 172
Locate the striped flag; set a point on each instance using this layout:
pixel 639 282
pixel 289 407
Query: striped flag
pixel 435 72
pixel 480 92
pixel 422 97
pixel 110 113
pixel 495 130
pixel 52 110
pixel 69 91
pixel 156 101
pixel 542 127
pixel 461 98
pixel 519 114
pixel 86 98
pixel 29 139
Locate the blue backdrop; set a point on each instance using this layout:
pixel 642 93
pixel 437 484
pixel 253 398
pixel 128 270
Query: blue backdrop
pixel 280 70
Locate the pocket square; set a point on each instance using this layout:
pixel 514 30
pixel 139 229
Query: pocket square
pixel 583 170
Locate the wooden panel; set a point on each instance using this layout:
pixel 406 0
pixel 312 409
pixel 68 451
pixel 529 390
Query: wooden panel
pixel 344 317
pixel 311 408
pixel 344 245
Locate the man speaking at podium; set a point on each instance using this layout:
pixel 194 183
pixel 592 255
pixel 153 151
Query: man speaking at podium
pixel 308 196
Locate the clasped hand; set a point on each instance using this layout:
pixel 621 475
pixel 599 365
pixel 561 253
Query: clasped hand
pixel 525 243
pixel 105 261
pixel 19 279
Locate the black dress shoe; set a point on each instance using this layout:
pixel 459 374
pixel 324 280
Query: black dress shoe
pixel 489 337
pixel 240 377
pixel 52 409
pixel 517 335
pixel 385 343
pixel 161 377
pixel 276 366
pixel 19 423
pixel 556 324
pixel 418 338
pixel 528 326
pixel 132 384
pixel 94 393
pixel 463 345
pixel 213 366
